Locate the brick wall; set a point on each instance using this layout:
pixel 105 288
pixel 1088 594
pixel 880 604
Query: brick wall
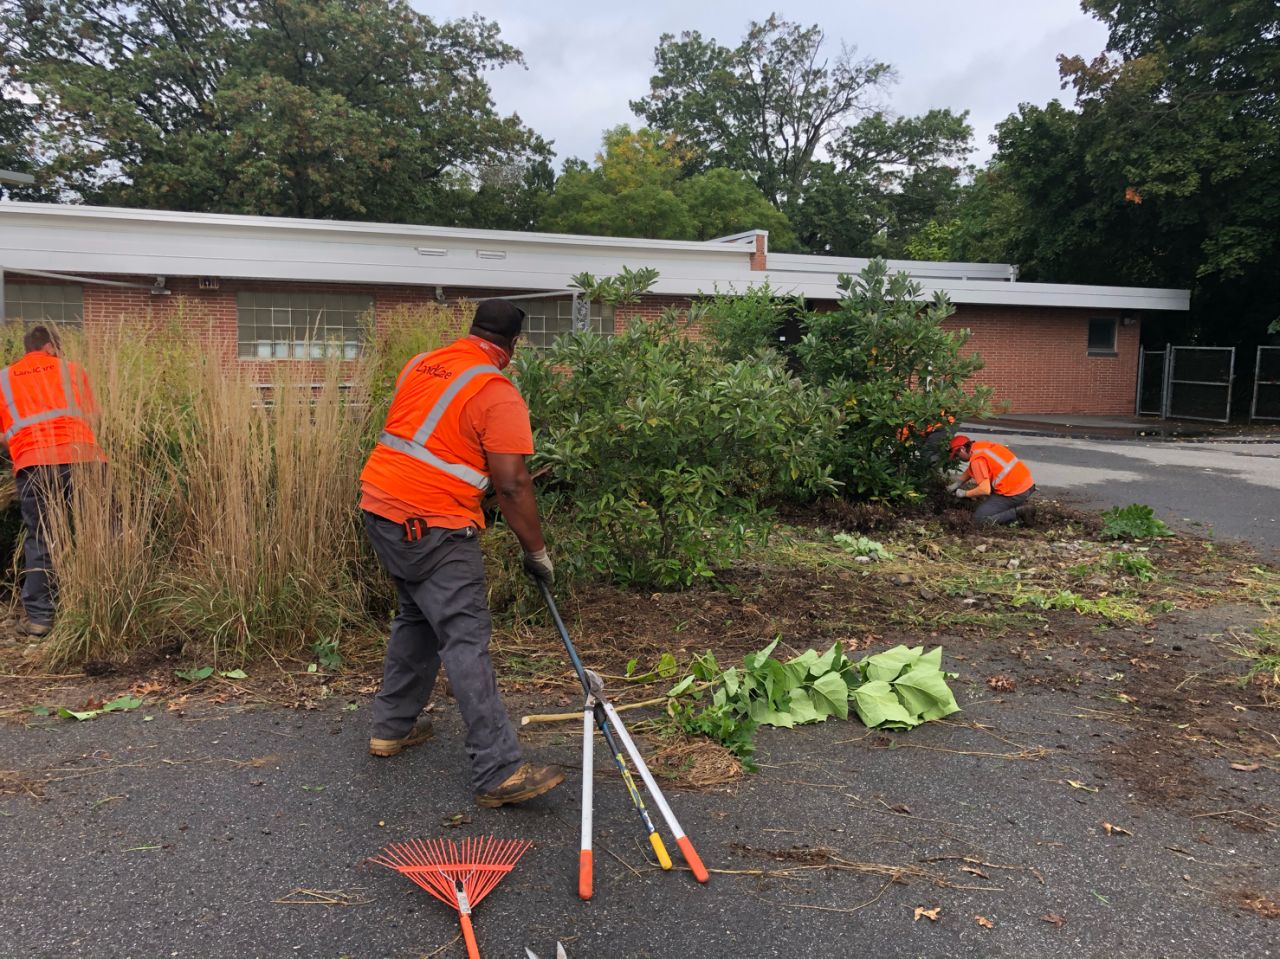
pixel 1037 360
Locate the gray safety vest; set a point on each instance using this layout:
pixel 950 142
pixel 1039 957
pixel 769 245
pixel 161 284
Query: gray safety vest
pixel 72 408
pixel 417 446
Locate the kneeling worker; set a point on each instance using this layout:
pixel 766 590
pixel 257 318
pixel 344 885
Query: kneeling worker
pixel 456 426
pixel 997 474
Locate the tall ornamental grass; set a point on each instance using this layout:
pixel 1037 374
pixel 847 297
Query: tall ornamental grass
pixel 227 518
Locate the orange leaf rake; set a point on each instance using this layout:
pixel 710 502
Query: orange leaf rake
pixel 458 875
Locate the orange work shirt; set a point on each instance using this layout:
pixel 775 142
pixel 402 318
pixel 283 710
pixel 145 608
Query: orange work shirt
pixel 48 400
pixel 988 460
pixel 494 420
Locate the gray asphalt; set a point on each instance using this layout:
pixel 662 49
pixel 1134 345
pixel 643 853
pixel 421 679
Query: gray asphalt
pixel 175 836
pixel 1223 489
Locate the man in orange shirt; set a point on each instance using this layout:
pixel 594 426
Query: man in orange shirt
pixel 45 404
pixel 997 475
pixel 456 428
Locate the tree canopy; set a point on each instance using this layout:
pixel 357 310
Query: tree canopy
pixel 637 187
pixel 339 108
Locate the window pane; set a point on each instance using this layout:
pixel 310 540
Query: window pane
pixel 300 325
pixel 1102 336
pixel 60 303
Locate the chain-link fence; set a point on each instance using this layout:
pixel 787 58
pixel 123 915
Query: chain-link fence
pixel 1266 384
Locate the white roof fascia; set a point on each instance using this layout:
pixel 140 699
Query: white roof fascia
pixel 744 242
pixel 1001 293
pixel 803 263
pixel 258 248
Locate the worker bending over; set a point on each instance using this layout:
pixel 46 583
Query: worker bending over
pixel 45 405
pixel 456 426
pixel 997 475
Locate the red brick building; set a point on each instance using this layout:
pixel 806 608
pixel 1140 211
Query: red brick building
pixel 272 290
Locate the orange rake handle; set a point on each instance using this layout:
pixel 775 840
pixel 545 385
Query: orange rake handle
pixel 469 936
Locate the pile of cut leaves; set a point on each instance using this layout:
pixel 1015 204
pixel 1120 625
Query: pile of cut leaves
pixel 897 689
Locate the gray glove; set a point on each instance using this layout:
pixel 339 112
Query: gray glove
pixel 960 494
pixel 539 566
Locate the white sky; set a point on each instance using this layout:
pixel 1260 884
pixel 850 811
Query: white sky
pixel 586 60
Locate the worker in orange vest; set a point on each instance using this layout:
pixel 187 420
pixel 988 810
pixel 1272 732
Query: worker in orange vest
pixel 456 428
pixel 934 436
pixel 45 405
pixel 997 474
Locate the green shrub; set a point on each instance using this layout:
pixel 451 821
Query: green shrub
pixel 663 452
pixel 1134 521
pixel 888 363
pixel 1131 564
pixel 743 324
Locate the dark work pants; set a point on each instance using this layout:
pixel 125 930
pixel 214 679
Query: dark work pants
pixel 442 615
pixel 38 488
pixel 1002 510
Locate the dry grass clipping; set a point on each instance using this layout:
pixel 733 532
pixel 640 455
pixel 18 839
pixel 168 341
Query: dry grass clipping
pixel 694 762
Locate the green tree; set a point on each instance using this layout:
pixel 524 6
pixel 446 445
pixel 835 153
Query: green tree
pixel 339 108
pixel 638 187
pixel 763 107
pixel 1167 173
pixel 887 178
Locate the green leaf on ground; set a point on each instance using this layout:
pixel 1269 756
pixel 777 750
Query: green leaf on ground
pixel 234 674
pixel 195 675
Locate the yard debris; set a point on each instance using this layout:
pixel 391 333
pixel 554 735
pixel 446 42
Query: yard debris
pixel 930 914
pixel 1113 830
pixel 984 922
pixel 1002 683
pixel 1053 919
pixel 1259 905
pixel 456 820
pixel 1076 784
pixel 321 897
pixel 1246 767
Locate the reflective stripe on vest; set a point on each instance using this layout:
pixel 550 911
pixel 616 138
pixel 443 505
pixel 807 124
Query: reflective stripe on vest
pixel 22 422
pixel 1006 467
pixel 417 447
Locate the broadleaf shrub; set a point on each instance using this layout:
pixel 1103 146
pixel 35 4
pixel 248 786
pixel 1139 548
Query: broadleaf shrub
pixel 889 364
pixel 663 453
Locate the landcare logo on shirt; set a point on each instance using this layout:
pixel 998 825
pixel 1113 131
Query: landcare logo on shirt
pixel 33 369
pixel 435 369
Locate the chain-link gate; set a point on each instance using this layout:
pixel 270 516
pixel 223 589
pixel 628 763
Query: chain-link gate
pixel 1153 373
pixel 1266 385
pixel 1199 383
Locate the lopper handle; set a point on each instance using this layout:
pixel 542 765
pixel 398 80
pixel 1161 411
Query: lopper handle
pixel 469 935
pixel 584 874
pixel 693 859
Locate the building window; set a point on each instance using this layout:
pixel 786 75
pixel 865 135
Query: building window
pixel 547 319
pixel 1102 337
pixel 61 304
pixel 301 326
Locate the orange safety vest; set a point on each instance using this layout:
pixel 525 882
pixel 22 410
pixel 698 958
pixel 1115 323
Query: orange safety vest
pixel 44 407
pixel 904 434
pixel 1009 475
pixel 421 457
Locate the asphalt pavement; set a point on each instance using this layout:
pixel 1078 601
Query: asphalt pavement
pixel 228 833
pixel 1209 487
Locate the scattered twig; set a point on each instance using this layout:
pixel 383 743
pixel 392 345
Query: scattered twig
pixel 320 897
pixel 1236 812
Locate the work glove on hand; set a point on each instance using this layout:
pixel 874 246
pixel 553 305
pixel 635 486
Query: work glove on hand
pixel 538 565
pixel 960 494
pixel 952 487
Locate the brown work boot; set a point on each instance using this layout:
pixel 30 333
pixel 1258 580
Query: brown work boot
pixel 38 629
pixel 525 783
pixel 420 733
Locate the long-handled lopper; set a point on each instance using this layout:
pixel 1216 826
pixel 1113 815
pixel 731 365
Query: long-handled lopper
pixel 606 717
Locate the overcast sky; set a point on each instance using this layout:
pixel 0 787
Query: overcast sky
pixel 586 59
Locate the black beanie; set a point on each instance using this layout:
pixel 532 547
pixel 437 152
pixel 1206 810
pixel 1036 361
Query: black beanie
pixel 499 317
